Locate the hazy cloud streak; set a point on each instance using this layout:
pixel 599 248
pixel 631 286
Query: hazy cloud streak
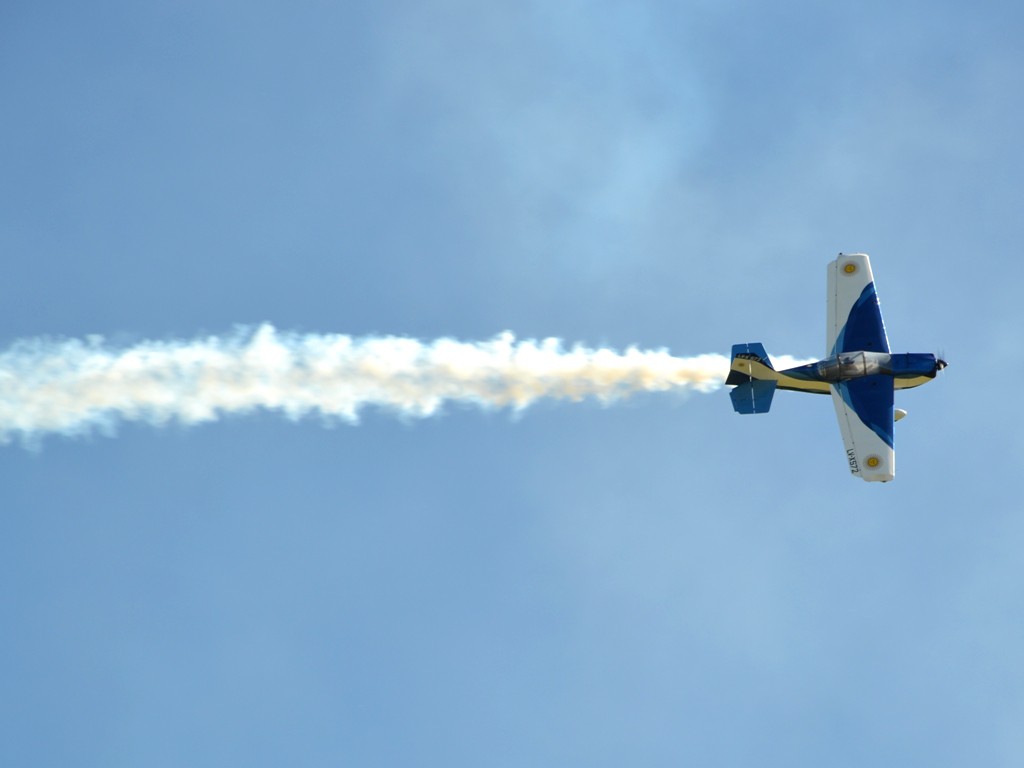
pixel 73 386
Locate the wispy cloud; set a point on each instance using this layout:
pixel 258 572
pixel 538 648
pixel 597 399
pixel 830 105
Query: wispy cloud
pixel 74 386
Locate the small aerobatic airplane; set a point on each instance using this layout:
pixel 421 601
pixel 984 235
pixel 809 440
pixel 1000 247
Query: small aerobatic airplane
pixel 860 373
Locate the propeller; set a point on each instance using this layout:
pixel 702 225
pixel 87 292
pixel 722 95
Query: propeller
pixel 940 362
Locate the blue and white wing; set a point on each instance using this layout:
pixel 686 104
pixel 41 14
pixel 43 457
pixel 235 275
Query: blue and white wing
pixel 864 408
pixel 854 318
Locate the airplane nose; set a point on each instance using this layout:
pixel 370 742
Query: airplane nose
pixel 940 364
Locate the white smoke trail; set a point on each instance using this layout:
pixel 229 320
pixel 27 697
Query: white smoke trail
pixel 73 386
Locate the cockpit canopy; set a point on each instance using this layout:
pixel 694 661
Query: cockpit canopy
pixel 854 365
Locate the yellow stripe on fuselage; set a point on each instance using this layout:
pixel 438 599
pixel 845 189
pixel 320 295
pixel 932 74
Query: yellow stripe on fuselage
pixel 802 385
pixel 917 381
pixel 761 372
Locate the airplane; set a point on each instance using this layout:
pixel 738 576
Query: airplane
pixel 859 372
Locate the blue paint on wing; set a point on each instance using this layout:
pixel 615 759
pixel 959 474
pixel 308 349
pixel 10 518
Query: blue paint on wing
pixel 864 330
pixel 871 398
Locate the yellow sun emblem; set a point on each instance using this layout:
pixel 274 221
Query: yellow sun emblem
pixel 873 461
pixel 850 268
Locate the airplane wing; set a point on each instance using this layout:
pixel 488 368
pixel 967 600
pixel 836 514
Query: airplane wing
pixel 864 408
pixel 854 317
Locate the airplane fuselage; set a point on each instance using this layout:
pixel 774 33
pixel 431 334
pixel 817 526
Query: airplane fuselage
pixel 909 369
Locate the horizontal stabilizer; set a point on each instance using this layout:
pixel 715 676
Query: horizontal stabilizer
pixel 751 353
pixel 753 396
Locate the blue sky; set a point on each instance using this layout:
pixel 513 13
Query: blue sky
pixel 657 583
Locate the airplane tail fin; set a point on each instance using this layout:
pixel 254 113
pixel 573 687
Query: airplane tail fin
pixel 754 379
pixel 749 362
